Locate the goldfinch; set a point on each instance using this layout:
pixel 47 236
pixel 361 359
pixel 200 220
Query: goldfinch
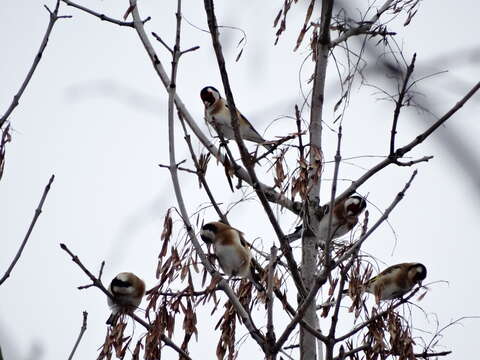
pixel 127 290
pixel 217 115
pixel 396 280
pixel 231 250
pixel 344 218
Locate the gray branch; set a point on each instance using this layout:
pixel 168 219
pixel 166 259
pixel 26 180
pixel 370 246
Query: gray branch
pixel 38 211
pixel 53 18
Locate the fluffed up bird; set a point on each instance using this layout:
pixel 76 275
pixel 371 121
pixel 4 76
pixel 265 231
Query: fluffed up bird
pixel 344 218
pixel 231 250
pixel 127 290
pixel 217 115
pixel 396 280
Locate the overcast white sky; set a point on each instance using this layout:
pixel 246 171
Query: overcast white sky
pixel 94 114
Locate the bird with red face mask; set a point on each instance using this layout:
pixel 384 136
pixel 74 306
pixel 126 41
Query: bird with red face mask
pixel 231 250
pixel 344 218
pixel 217 115
pixel 395 281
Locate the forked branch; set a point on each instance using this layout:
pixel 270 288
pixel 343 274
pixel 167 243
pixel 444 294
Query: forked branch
pixel 400 152
pixel 53 19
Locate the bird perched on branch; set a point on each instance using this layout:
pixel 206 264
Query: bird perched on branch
pixel 231 250
pixel 396 280
pixel 217 115
pixel 344 218
pixel 127 290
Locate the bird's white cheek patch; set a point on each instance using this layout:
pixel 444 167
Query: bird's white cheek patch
pixel 123 277
pixel 123 290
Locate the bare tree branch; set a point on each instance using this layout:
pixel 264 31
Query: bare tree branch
pixel 420 138
pixel 201 172
pixel 102 17
pixel 271 270
pixel 96 282
pixel 377 316
pixel 321 48
pixel 38 211
pixel 351 352
pixel 400 152
pixel 426 355
pixel 365 27
pixel 80 335
pixel 399 103
pixel 300 314
pixel 53 18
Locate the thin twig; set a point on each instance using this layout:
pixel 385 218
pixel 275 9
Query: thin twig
pixel 365 27
pixel 53 18
pixel 102 16
pixel 351 352
pixel 413 162
pixel 201 172
pixel 399 103
pixel 271 270
pixel 159 39
pixel 300 313
pixel 333 191
pixel 275 146
pixel 38 211
pixel 80 335
pixel 179 168
pixel 427 355
pixel 343 278
pixel 193 48
pixel 327 253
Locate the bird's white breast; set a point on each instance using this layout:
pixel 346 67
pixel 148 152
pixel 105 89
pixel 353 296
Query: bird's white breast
pixel 222 120
pixel 231 260
pixel 391 291
pixel 336 231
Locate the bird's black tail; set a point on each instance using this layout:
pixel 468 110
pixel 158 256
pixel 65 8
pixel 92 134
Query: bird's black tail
pixel 112 319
